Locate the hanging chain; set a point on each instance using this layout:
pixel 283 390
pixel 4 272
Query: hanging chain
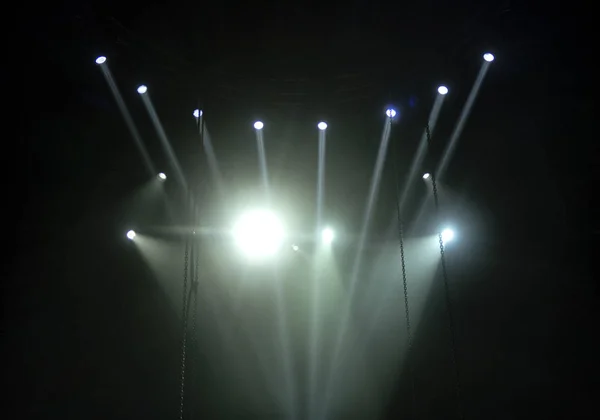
pixel 447 292
pixel 184 321
pixel 405 285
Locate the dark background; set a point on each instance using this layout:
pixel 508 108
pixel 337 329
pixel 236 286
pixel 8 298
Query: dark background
pixel 89 332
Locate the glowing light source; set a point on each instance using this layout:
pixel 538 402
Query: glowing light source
pixel 426 175
pixel 142 89
pixel 327 236
pixel 258 125
pixel 442 90
pixel 101 60
pixel 162 176
pixel 130 235
pixel 447 235
pixel 391 113
pixel 258 234
pixel 197 113
pixel 489 57
pixel 322 125
pixel 295 247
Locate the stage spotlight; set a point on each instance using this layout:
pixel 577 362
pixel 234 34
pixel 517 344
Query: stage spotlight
pixel 258 234
pixel 322 125
pixel 426 175
pixel 447 235
pixel 295 247
pixel 390 113
pixel 327 236
pixel 142 89
pixel 197 113
pixel 130 235
pixel 488 57
pixel 258 125
pixel 162 176
pixel 101 60
pixel 442 90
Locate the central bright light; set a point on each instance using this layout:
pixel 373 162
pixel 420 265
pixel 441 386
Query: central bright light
pixel 258 234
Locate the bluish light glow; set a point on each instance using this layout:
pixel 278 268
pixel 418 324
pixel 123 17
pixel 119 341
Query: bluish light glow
pixel 426 175
pixel 130 235
pixel 142 89
pixel 258 234
pixel 442 90
pixel 447 235
pixel 489 57
pixel 101 60
pixel 391 113
pixel 197 113
pixel 258 125
pixel 327 236
pixel 322 126
pixel 162 176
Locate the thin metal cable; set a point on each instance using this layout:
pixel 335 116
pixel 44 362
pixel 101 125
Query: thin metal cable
pixel 404 282
pixel 459 405
pixel 184 322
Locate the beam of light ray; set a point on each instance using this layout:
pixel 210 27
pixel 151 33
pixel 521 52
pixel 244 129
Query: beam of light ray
pixel 422 149
pixel 262 160
pixel 164 139
pixel 209 151
pixel 127 117
pixel 464 116
pixel 373 190
pixel 315 327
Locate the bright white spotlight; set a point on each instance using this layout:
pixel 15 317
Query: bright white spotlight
pixel 258 125
pixel 322 126
pixel 442 90
pixel 101 60
pixel 197 113
pixel 447 235
pixel 258 234
pixel 488 57
pixel 295 247
pixel 327 236
pixel 426 175
pixel 142 89
pixel 391 113
pixel 162 176
pixel 130 235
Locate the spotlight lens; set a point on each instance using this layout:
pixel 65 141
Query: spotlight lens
pixel 197 113
pixel 295 247
pixel 327 236
pixel 391 113
pixel 258 234
pixel 322 125
pixel 101 60
pixel 258 125
pixel 426 176
pixel 162 176
pixel 442 90
pixel 131 235
pixel 488 57
pixel 142 89
pixel 447 235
